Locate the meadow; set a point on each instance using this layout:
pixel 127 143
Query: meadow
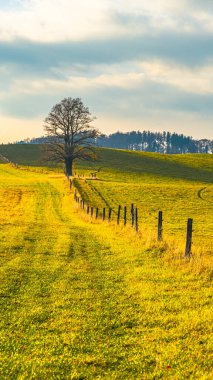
pixel 181 186
pixel 83 299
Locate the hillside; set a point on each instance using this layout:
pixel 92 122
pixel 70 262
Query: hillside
pixel 83 299
pixel 23 154
pixel 181 186
pixel 193 167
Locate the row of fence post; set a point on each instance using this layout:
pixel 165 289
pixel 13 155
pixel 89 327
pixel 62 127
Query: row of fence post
pixel 134 219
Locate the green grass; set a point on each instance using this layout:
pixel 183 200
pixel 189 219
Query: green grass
pixel 126 165
pixel 23 154
pixel 179 185
pixel 131 166
pixel 86 300
pixel 82 299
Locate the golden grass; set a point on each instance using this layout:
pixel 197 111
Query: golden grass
pixel 84 300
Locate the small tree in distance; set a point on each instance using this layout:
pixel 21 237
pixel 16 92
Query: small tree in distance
pixel 70 133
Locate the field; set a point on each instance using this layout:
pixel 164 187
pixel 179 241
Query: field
pixel 181 186
pixel 83 299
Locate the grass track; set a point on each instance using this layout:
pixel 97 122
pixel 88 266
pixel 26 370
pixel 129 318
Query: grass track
pixel 83 302
pixel 179 185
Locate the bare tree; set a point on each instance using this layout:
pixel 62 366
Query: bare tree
pixel 70 133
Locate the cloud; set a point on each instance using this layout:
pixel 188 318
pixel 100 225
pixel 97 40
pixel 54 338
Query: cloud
pixel 197 80
pixel 113 76
pixel 127 60
pixel 200 5
pixel 53 20
pixel 44 58
pixel 130 95
pixel 56 21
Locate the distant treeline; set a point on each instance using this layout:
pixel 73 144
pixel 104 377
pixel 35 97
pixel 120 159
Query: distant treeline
pixel 161 142
pixel 164 142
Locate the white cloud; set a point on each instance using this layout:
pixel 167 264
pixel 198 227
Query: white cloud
pixel 156 93
pixel 205 20
pixel 164 7
pixel 54 20
pixel 197 80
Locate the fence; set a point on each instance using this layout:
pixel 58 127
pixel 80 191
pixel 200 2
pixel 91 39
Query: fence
pixel 106 214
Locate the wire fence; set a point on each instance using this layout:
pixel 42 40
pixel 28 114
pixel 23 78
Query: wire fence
pixel 124 215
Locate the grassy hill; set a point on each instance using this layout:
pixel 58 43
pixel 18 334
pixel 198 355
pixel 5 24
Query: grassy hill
pixel 23 154
pixel 118 163
pixel 179 185
pixel 83 299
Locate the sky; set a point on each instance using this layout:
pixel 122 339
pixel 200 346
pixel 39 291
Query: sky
pixel 137 65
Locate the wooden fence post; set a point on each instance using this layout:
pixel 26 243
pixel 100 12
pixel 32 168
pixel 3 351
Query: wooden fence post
pixel 132 214
pixel 160 225
pixel 109 214
pixel 96 213
pixel 136 219
pixel 124 215
pixel 188 238
pixel 119 214
pixel 104 213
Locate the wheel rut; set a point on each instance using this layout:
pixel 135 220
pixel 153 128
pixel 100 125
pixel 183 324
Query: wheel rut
pixel 203 193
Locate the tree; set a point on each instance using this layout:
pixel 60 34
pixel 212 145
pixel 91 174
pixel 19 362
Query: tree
pixel 70 134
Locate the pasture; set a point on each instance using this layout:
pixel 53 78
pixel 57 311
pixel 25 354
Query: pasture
pixel 181 186
pixel 83 299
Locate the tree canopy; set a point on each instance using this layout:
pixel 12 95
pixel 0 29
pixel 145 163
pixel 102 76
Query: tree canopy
pixel 70 133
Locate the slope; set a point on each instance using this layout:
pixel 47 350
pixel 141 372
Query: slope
pixel 83 302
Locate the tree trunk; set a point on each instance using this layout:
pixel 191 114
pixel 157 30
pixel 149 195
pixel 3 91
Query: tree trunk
pixel 68 164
